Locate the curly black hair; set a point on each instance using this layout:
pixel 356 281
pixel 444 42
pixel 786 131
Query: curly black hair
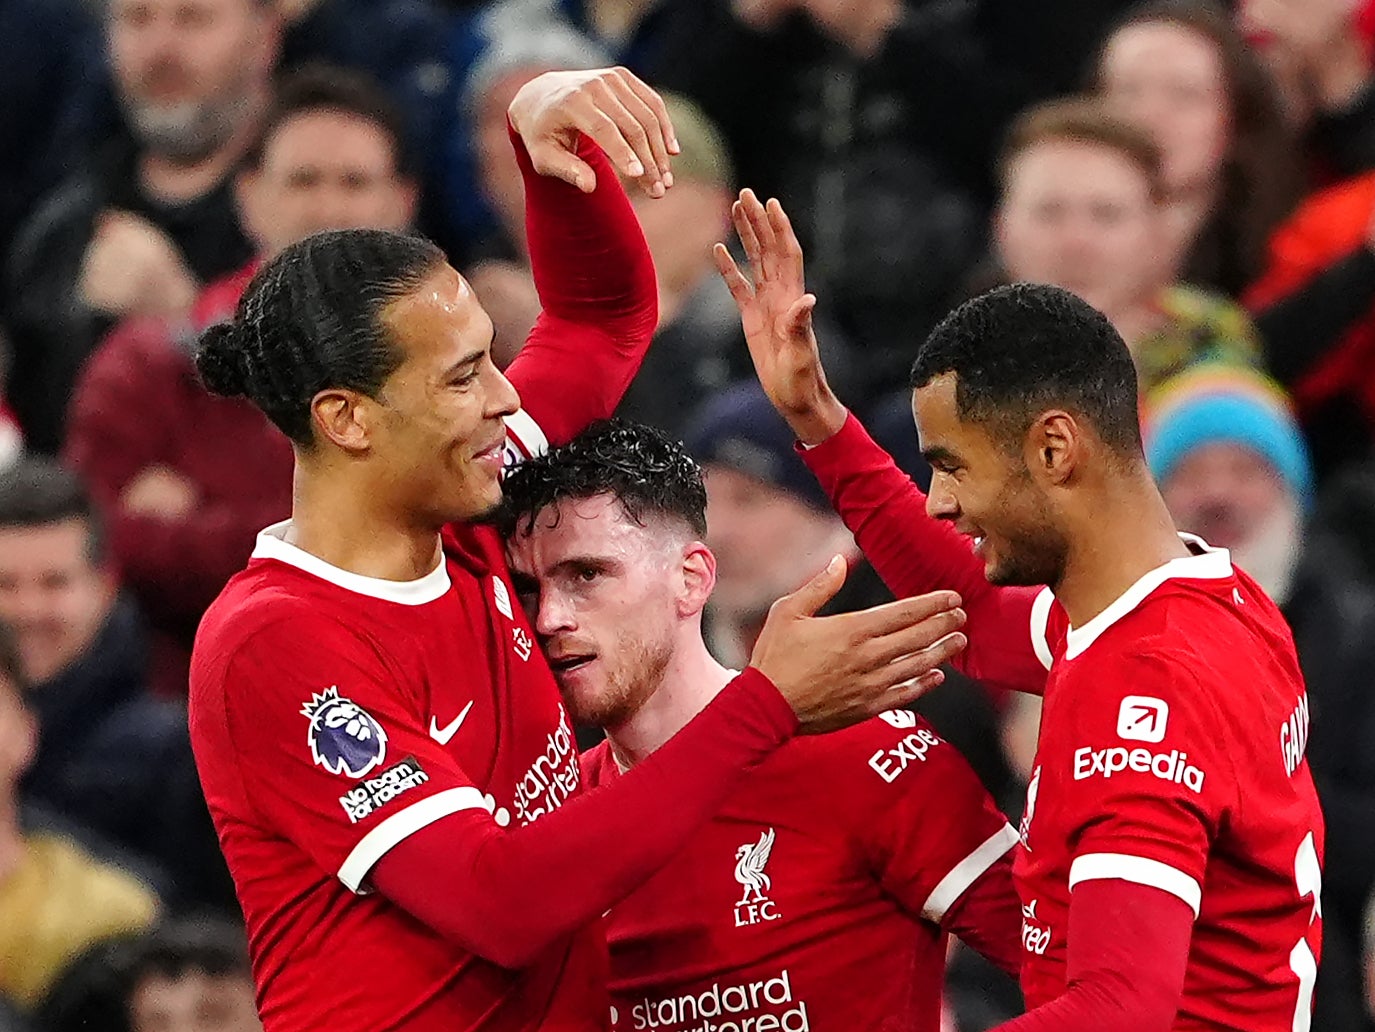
pixel 1022 349
pixel 643 468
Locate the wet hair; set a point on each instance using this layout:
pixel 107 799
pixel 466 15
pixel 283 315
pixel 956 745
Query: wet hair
pixel 311 320
pixel 1261 178
pixel 1019 350
pixel 323 87
pixel 644 469
pixel 37 492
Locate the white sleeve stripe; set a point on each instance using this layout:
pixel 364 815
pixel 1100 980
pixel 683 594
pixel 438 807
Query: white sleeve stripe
pixel 373 846
pixel 1139 870
pixel 1040 619
pixel 526 434
pixel 966 873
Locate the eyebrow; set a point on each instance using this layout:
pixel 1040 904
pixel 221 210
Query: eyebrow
pixel 938 454
pixel 466 360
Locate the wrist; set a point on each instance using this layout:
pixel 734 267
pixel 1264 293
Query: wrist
pixel 819 421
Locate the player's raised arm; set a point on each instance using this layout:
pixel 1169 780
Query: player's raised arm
pixel 575 134
pixel 880 504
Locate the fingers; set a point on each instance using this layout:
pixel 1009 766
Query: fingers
pixel 657 105
pixel 902 615
pixel 640 125
pixel 908 692
pixel 910 640
pixel 744 229
pixel 789 256
pixel 914 665
pixel 807 599
pixel 551 160
pixel 768 267
pixel 604 117
pixel 736 282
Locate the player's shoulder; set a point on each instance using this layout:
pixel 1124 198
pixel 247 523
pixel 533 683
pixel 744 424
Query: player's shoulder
pixel 896 744
pixel 271 605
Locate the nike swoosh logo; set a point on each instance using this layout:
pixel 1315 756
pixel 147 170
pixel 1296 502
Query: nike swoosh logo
pixel 443 734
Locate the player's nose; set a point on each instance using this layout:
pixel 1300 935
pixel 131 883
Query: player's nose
pixel 941 503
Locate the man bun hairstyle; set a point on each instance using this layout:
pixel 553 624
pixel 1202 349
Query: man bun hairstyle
pixel 311 320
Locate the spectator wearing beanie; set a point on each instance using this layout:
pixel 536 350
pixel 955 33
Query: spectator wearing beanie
pixel 1233 468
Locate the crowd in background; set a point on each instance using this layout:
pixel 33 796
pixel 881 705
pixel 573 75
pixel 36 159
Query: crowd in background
pixel 1202 173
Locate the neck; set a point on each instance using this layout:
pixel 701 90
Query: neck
pixel 1120 538
pixel 1138 319
pixel 173 182
pixel 691 680
pixel 333 520
pixel 674 294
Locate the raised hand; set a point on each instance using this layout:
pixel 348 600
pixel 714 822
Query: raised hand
pixel 625 117
pixel 776 314
pixel 838 670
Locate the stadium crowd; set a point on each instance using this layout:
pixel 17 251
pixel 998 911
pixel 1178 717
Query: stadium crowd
pixel 1202 174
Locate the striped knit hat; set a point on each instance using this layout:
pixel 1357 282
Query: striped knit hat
pixel 1213 403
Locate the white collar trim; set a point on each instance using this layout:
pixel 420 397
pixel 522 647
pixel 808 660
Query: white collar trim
pixel 1207 563
pixel 272 544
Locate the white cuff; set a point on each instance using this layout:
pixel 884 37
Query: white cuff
pixel 1040 619
pixel 373 846
pixel 1139 870
pixel 966 873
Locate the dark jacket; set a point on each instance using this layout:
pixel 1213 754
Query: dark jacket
pixel 51 331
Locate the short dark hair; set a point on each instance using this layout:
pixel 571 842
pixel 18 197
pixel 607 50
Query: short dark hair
pixel 323 87
pixel 37 492
pixel 204 944
pixel 1019 350
pixel 644 469
pixel 311 320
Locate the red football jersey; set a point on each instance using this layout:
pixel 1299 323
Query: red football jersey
pixel 1171 754
pixel 813 900
pixel 333 715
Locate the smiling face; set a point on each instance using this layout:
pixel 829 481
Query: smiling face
pixel 436 428
pixel 987 492
pixel 610 599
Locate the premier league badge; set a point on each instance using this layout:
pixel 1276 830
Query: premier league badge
pixel 343 737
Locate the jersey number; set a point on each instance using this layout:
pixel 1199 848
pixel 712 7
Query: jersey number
pixel 1308 877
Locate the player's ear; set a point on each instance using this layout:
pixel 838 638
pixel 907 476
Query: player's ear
pixel 345 418
pixel 699 578
pixel 1053 446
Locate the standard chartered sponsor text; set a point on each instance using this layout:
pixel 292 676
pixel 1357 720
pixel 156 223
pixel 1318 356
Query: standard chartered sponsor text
pixel 763 1005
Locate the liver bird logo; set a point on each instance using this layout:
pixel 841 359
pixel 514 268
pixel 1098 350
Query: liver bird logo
pixel 749 867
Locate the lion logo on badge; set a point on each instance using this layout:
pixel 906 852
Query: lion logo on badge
pixel 344 738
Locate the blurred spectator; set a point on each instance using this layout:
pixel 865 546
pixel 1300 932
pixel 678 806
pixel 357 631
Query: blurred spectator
pixel 55 898
pixel 875 122
pixel 699 347
pixel 46 47
pixel 769 523
pixel 1315 305
pixel 1183 72
pixel 187 975
pixel 1320 54
pixel 497 265
pixel 138 230
pixel 192 976
pixel 1082 208
pixel 112 758
pixel 11 1020
pixel 188 484
pixel 1232 466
